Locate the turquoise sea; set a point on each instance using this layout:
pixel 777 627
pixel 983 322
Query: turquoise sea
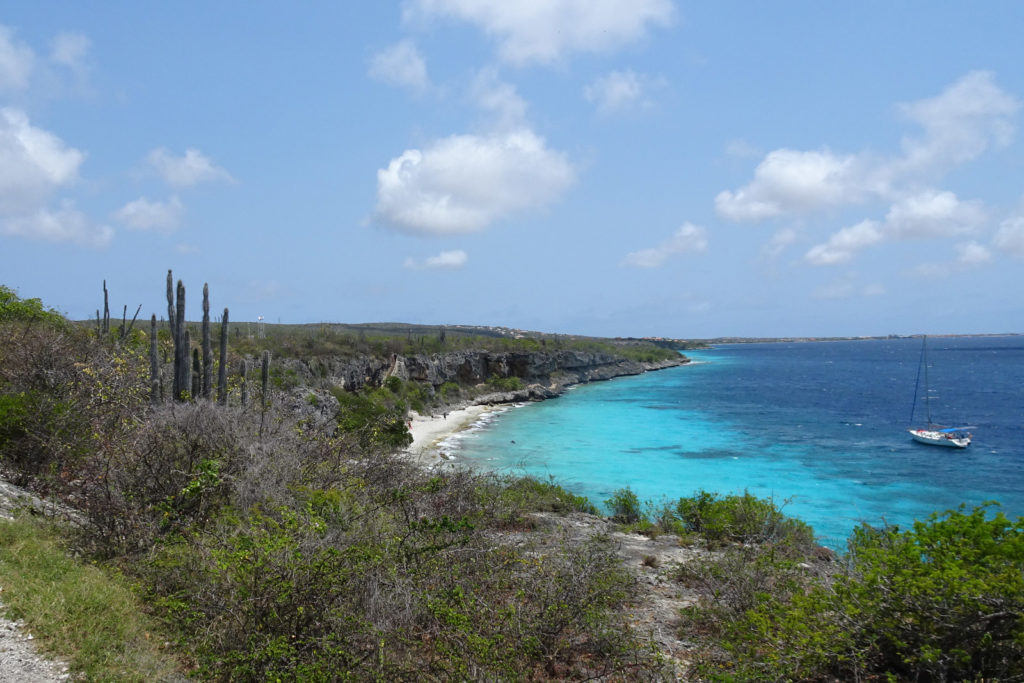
pixel 820 426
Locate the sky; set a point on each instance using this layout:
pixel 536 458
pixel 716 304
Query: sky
pixel 599 167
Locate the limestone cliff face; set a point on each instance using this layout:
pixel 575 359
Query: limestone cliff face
pixel 550 371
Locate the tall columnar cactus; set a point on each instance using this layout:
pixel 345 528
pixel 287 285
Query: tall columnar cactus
pixel 185 381
pixel 207 345
pixel 182 382
pixel 154 364
pixel 106 309
pixel 170 305
pixel 197 375
pixel 244 371
pixel 222 371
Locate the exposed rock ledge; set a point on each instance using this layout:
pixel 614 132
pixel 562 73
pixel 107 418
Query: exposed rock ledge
pixel 544 373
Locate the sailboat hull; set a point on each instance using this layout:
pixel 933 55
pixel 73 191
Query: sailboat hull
pixel 934 438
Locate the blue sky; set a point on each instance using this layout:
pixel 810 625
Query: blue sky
pixel 606 167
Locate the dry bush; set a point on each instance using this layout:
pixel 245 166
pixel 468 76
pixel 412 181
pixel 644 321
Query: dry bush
pixel 63 395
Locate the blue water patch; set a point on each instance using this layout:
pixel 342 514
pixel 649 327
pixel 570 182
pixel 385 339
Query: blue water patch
pixel 820 427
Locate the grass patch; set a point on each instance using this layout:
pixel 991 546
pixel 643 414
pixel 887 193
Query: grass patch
pixel 81 613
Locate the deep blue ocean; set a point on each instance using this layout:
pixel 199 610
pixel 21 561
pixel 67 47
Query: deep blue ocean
pixel 819 426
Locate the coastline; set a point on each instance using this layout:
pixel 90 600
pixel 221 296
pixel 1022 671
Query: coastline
pixel 429 432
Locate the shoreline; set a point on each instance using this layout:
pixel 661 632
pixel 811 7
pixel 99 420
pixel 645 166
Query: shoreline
pixel 429 432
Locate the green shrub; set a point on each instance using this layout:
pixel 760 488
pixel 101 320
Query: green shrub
pixel 375 417
pixel 449 391
pixel 943 601
pixel 625 507
pixel 531 494
pixel 13 308
pixel 506 383
pixel 742 518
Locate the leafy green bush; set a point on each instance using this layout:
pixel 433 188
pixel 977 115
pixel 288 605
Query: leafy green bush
pixel 375 417
pixel 625 506
pixel 531 494
pixel 506 383
pixel 14 308
pixel 742 518
pixel 449 391
pixel 943 601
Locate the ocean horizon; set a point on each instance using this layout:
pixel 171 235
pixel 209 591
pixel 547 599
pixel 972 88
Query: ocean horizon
pixel 820 427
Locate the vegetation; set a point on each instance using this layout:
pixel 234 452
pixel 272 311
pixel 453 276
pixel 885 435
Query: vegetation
pixel 91 617
pixel 267 547
pixel 16 309
pixel 263 545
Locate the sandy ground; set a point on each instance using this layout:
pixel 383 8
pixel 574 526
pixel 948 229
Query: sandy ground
pixel 429 432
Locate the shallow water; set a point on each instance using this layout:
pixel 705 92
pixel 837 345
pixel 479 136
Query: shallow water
pixel 820 426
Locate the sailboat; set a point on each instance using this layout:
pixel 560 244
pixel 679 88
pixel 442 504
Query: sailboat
pixel 934 434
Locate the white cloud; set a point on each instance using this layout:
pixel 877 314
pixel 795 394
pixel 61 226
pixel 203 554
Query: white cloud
pixel 969 255
pixel 972 254
pixel 16 61
pixel 970 116
pixel 619 91
pixel 191 169
pixel 401 65
pixel 33 163
pixel 779 241
pixel 187 249
pixel 931 213
pixel 71 50
pixel 544 31
pixel 446 260
pixel 924 215
pixel 842 246
pixel 143 214
pixel 959 124
pixel 500 98
pixel 688 238
pixel 66 224
pixel 1010 237
pixel 791 181
pixel 463 183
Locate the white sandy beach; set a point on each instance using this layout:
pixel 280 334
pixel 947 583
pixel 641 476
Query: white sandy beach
pixel 428 432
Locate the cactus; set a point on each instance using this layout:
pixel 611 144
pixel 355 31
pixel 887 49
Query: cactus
pixel 222 371
pixel 244 370
pixel 154 364
pixel 185 381
pixel 182 382
pixel 207 345
pixel 170 305
pixel 197 375
pixel 106 309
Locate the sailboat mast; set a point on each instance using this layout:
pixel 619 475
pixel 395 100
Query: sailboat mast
pixel 927 390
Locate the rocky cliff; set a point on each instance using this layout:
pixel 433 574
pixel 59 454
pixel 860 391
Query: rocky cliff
pixel 543 373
